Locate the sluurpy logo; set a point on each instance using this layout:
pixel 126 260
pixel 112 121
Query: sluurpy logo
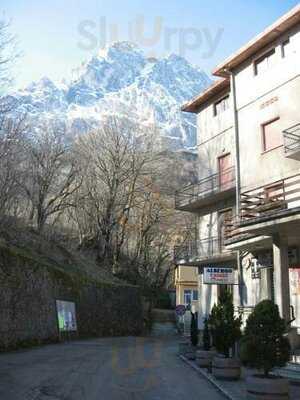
pixel 140 360
pixel 99 33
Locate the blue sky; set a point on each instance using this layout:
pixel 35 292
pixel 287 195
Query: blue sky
pixel 55 36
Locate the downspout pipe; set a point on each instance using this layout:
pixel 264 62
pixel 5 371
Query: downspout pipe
pixel 236 142
pixel 237 176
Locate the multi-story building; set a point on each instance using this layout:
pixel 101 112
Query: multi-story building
pixel 247 200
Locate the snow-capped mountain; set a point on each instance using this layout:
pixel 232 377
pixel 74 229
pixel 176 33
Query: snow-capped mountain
pixel 121 80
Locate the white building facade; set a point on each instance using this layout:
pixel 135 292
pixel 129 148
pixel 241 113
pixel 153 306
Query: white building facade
pixel 247 200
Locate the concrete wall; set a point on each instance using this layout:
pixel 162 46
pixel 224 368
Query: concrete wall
pixel 215 137
pixel 261 98
pixel 28 309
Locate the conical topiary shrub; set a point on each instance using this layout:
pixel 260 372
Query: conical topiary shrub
pixel 194 330
pixel 225 326
pixel 264 345
pixel 206 336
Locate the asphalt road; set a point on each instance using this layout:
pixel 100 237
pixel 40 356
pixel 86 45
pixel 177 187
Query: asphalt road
pixel 102 369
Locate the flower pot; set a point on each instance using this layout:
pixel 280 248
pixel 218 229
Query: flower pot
pixel 271 388
pixel 183 347
pixel 226 368
pixel 204 358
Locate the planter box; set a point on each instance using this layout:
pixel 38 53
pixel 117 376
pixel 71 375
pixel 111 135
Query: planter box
pixel 204 358
pixel 183 347
pixel 191 353
pixel 261 388
pixel 226 368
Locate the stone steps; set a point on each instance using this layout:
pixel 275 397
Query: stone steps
pixel 164 329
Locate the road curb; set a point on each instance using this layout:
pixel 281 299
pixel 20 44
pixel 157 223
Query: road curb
pixel 209 377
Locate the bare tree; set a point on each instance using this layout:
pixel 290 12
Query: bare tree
pixel 8 54
pixel 12 134
pixel 50 174
pixel 115 157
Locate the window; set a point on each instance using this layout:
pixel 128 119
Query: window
pixel 274 192
pixel 195 295
pixel 221 105
pixel 187 297
pixel 271 135
pixel 286 48
pixel 263 63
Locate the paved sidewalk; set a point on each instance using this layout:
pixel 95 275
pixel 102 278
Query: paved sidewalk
pixel 234 390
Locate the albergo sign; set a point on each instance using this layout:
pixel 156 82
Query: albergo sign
pixel 218 276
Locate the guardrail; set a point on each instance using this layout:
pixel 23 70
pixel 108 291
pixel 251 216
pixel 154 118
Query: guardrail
pixel 291 138
pixel 204 248
pixel 208 186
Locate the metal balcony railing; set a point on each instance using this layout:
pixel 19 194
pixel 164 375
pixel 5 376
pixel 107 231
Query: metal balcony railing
pixel 198 249
pixel 275 199
pixel 291 137
pixel 278 196
pixel 216 183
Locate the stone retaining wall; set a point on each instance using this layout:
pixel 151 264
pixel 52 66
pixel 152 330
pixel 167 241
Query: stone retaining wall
pixel 28 293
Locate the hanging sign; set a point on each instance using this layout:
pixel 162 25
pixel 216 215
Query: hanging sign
pixel 218 276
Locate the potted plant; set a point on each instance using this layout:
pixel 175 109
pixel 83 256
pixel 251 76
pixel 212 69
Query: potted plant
pixel 226 329
pixel 204 356
pixel 264 347
pixel 191 352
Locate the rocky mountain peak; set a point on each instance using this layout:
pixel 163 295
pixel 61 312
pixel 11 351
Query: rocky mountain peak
pixel 120 79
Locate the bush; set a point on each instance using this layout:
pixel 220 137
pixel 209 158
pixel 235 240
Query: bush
pixel 206 336
pixel 194 330
pixel 226 328
pixel 264 345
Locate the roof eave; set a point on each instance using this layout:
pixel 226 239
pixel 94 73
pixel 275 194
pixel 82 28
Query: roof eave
pixel 216 88
pixel 270 34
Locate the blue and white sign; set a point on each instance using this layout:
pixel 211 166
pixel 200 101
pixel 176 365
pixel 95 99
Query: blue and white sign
pixel 218 276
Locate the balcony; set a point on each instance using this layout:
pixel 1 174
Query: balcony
pixel 199 252
pixel 291 137
pixel 265 209
pixel 207 191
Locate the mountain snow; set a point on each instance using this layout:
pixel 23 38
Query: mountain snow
pixel 121 81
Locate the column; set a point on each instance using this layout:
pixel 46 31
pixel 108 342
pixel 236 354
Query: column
pixel 281 275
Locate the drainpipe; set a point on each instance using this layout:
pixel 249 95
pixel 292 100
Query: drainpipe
pixel 236 141
pixel 237 177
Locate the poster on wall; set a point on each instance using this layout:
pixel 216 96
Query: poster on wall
pixel 66 316
pixel 218 276
pixel 295 281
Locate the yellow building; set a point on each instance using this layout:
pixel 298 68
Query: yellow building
pixel 186 283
